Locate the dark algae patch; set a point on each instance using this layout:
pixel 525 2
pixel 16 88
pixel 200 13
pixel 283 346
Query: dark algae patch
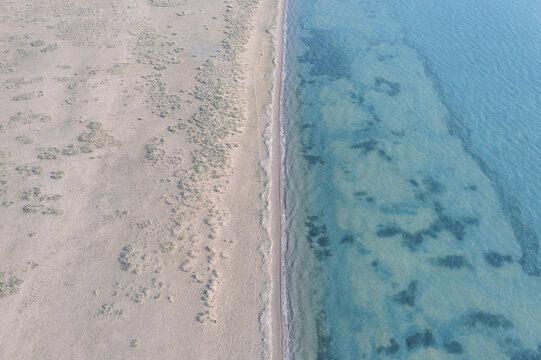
pixel 529 244
pixel 366 146
pixel 407 296
pixel 389 231
pixel 324 241
pixel 481 318
pixel 497 260
pixel 457 227
pixel 317 237
pixel 324 339
pixel 526 355
pixel 453 347
pixel 451 262
pixel 433 186
pixel 313 160
pixel 391 349
pixel 390 88
pixel 421 339
pixel 370 145
pixel 326 55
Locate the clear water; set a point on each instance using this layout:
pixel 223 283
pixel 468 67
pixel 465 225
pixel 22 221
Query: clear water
pixel 413 192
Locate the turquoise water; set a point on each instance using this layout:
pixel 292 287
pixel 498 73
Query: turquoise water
pixel 413 192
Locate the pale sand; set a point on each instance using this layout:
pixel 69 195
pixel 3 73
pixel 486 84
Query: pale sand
pixel 279 338
pixel 135 189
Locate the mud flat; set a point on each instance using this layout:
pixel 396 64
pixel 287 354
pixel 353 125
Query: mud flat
pixel 135 179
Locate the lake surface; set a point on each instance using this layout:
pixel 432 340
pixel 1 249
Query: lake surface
pixel 412 134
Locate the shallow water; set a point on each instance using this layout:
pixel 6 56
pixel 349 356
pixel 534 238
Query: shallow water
pixel 412 179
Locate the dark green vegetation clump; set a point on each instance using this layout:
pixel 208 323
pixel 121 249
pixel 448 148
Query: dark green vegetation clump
pixel 451 262
pixel 527 355
pixel 370 145
pixel 453 347
pixel 326 55
pixel 492 321
pixel 455 226
pixel 324 339
pixel 433 186
pixel 424 339
pixel 390 88
pixel 389 231
pixel 366 146
pixel 357 98
pixel 407 296
pixel 392 349
pixel 313 159
pixel 362 195
pixel 496 259
pixel 318 238
pixel 411 240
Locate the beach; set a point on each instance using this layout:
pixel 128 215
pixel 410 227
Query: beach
pixel 140 179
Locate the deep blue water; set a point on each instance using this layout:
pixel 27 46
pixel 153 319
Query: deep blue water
pixel 413 192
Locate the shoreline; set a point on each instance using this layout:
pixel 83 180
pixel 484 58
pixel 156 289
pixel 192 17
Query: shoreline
pixel 279 330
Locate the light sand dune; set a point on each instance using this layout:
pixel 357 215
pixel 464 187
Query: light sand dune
pixel 135 188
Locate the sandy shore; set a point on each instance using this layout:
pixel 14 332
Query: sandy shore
pixel 136 198
pixel 279 339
